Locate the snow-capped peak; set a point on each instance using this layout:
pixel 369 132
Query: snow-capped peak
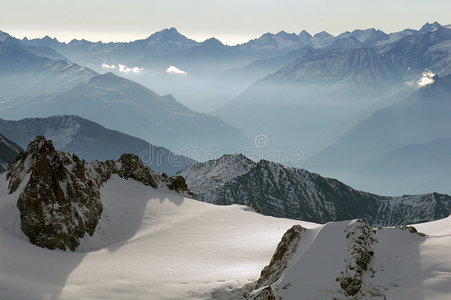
pixel 209 175
pixel 280 191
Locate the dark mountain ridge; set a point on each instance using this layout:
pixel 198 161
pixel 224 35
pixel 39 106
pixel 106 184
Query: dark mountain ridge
pixel 8 152
pixel 91 141
pixel 273 189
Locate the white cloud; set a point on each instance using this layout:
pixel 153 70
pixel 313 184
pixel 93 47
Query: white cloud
pixel 123 68
pixel 105 66
pixel 428 78
pixel 175 70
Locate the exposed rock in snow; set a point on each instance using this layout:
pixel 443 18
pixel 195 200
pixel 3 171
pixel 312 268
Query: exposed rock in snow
pixel 149 244
pixel 345 260
pixel 360 253
pixel 60 203
pixel 157 244
pixel 279 262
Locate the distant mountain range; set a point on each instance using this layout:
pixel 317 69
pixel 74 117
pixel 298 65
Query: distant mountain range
pixel 310 102
pixel 421 118
pixel 8 153
pixel 91 141
pixel 361 65
pixel 43 51
pixel 211 58
pixel 124 105
pixel 304 92
pixel 273 189
pixel 25 74
pixel 415 168
pixel 169 41
pixel 35 86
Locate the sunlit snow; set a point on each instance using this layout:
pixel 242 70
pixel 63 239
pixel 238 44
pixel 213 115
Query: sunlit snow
pixel 149 244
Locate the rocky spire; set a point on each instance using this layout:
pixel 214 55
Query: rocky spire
pixel 59 199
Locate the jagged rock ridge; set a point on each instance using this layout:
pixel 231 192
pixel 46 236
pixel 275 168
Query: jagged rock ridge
pixel 280 191
pixel 59 200
pixel 211 174
pixel 279 262
pixel 360 253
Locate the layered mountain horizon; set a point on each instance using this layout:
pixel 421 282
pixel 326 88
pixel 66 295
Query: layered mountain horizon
pixel 290 166
pixel 69 89
pixel 420 118
pixel 362 35
pixel 317 87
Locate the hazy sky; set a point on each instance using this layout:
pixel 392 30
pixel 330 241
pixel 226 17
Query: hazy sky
pixel 232 21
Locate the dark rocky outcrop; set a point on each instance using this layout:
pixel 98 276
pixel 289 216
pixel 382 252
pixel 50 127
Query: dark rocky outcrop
pixel 132 167
pixel 262 288
pixel 59 203
pixel 351 279
pixel 285 250
pixel 60 197
pixel 361 238
pixel 178 184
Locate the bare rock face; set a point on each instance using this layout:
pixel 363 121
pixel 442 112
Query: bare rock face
pixel 285 250
pixel 59 204
pixel 353 279
pixel 129 166
pixel 262 288
pixel 132 167
pixel 178 184
pixel 60 201
pixel 361 238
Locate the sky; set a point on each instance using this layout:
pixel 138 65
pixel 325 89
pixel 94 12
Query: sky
pixel 231 21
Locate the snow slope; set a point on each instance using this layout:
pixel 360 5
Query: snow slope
pixel 156 244
pixel 149 244
pixel 400 264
